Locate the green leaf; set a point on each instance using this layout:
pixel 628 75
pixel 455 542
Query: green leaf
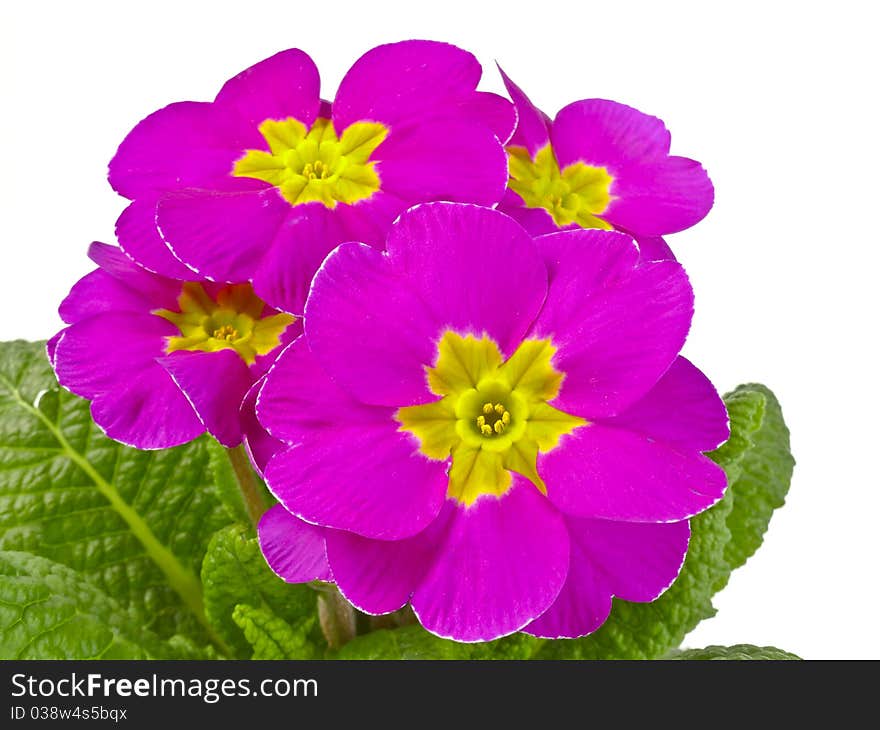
pixel 762 481
pixel 133 524
pixel 272 637
pixel 234 572
pixel 735 653
pixel 224 483
pixel 745 409
pixel 413 642
pixel 755 459
pixel 48 610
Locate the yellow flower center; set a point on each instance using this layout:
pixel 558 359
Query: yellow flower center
pixel 316 164
pixel 226 332
pixel 577 194
pixel 233 320
pixel 492 417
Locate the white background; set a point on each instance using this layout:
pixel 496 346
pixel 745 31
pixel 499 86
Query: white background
pixel 777 99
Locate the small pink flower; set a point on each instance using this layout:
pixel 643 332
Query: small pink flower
pixel 164 360
pixel 601 164
pixel 260 184
pixel 496 428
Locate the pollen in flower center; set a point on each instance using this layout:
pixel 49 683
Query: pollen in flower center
pixel 316 170
pixel 493 420
pixel 316 164
pixel 231 319
pixel 578 193
pixel 226 332
pixel 492 417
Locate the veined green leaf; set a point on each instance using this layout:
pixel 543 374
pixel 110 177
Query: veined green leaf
pixel 762 478
pixel 133 524
pixel 48 611
pixel 235 572
pixel 272 637
pixel 738 652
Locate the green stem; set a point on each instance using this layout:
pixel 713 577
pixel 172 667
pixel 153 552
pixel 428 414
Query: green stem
pixel 401 617
pixel 336 616
pixel 183 581
pixel 247 483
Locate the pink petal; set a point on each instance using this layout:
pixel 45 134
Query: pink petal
pixel 683 409
pixel 260 445
pixel 215 384
pixel 448 266
pixel 502 563
pixel 147 410
pixel 659 197
pixel 281 86
pixel 379 576
pixel 635 562
pixel 187 144
pixel 351 469
pixel 533 126
pixel 444 159
pixel 638 562
pixel 223 236
pixel 285 272
pixel 294 549
pixel 618 328
pixel 494 111
pixel 654 248
pixel 607 134
pixel 102 353
pixel 369 329
pixel 582 605
pixel 476 269
pixel 139 237
pixel 611 473
pixel 52 345
pixel 369 220
pixel 160 291
pixel 298 397
pixel 98 292
pixel 581 262
pixel 404 82
pixel 362 476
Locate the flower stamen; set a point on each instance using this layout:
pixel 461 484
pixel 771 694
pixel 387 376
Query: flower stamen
pixel 498 419
pixel 226 332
